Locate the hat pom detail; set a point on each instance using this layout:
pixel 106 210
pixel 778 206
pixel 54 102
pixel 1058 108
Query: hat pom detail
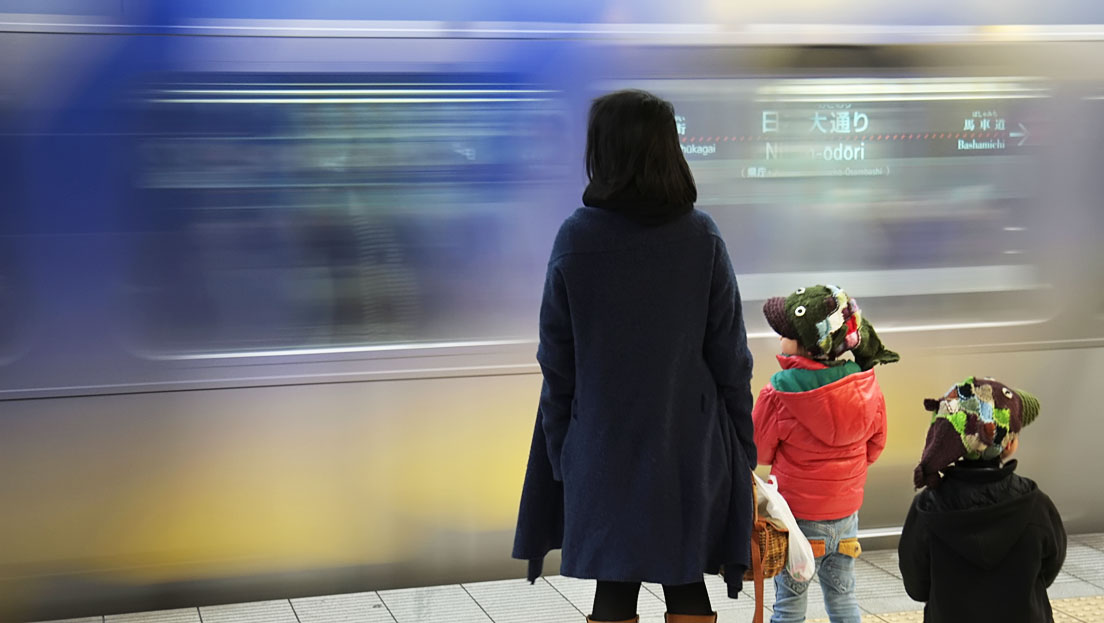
pixel 1030 407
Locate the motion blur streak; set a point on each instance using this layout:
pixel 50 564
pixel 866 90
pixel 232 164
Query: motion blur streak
pixel 270 271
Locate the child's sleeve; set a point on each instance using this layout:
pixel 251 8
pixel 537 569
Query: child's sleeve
pixel 1054 544
pixel 915 556
pixel 766 429
pixel 877 441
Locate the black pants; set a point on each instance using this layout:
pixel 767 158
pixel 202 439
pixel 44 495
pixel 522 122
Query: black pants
pixel 616 601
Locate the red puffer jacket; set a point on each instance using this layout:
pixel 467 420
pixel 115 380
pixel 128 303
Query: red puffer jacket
pixel 820 442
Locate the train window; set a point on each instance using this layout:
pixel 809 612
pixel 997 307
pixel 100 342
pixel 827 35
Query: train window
pixel 1091 131
pixel 914 193
pixel 13 299
pixel 8 298
pixel 306 211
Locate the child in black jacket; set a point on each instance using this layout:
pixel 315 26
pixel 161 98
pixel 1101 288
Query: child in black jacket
pixel 980 543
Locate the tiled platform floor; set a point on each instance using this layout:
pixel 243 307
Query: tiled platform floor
pixel 1077 597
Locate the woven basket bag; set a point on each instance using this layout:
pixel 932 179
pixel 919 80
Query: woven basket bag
pixel 770 547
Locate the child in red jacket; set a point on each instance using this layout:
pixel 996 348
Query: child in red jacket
pixel 819 424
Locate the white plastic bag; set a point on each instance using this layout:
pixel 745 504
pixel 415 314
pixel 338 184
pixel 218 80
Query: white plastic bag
pixel 801 563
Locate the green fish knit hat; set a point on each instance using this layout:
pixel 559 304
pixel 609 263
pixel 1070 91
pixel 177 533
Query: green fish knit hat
pixel 827 322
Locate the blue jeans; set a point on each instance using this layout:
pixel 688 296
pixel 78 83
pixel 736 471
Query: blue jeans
pixel 836 571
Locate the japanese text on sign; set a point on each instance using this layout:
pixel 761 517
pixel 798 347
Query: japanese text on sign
pixel 840 122
pixel 823 122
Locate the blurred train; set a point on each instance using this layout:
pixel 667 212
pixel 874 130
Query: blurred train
pixel 269 289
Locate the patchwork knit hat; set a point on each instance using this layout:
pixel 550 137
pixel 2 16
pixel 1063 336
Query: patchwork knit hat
pixel 976 419
pixel 827 322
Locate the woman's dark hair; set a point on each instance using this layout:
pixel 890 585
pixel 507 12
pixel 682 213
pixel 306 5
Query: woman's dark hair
pixel 633 157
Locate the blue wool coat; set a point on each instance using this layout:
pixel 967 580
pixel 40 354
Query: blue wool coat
pixel 639 465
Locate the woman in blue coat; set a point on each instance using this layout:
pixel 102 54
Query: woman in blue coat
pixel 639 464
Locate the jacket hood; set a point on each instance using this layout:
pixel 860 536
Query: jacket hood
pixel 984 534
pixel 838 414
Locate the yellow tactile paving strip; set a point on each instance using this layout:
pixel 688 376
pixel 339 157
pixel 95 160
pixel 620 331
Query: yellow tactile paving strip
pixel 1082 609
pixel 1077 610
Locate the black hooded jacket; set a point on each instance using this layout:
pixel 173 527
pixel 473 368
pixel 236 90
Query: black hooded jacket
pixel 983 546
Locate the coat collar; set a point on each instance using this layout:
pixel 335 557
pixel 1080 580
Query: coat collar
pixel 633 204
pixel 980 471
pixel 789 362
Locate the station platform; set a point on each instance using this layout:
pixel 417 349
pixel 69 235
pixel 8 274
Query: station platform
pixel 1077 597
